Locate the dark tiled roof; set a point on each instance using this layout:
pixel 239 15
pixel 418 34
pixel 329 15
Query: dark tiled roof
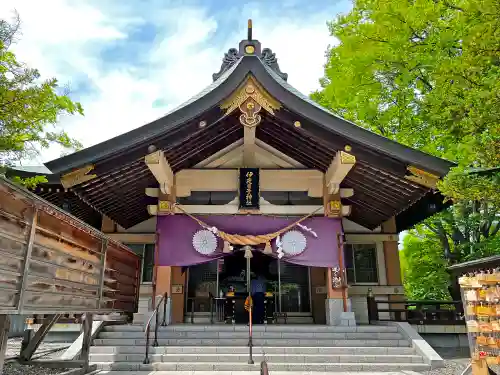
pixel 381 189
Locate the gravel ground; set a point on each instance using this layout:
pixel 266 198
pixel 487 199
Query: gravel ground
pixel 456 360
pixel 14 368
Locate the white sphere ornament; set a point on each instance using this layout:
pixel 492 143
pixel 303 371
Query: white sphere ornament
pixel 294 243
pixel 205 242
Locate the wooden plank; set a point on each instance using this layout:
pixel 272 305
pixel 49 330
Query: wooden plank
pixel 35 342
pixel 87 339
pixel 27 259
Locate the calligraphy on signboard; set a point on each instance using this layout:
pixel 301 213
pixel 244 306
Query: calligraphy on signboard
pixel 249 188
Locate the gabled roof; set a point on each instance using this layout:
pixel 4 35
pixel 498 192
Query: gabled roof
pixel 220 89
pixel 381 189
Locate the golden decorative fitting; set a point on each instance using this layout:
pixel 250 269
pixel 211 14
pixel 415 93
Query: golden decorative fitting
pixel 347 148
pixel 77 177
pixel 297 124
pixel 421 177
pixel 346 158
pixel 250 90
pixel 165 207
pixel 250 50
pixel 334 208
pixel 250 113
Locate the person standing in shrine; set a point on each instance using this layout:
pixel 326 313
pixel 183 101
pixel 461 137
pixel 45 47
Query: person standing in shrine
pixel 257 287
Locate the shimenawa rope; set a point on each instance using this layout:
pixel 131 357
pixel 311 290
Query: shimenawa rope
pixel 238 239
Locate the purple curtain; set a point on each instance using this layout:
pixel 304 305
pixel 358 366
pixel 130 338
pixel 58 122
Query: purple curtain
pixel 176 232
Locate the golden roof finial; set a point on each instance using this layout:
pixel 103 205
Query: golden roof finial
pixel 249 30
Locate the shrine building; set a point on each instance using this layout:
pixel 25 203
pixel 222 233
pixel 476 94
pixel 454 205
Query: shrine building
pixel 251 177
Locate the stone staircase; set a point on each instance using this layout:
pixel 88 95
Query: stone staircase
pixel 289 348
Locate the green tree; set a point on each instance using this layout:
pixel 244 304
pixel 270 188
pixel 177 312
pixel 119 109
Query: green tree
pixel 425 73
pixel 423 267
pixel 28 106
pixel 466 231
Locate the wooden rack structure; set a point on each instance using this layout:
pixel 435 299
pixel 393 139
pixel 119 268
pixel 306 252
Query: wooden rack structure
pixel 53 263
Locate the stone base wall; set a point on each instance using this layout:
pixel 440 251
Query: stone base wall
pixel 335 315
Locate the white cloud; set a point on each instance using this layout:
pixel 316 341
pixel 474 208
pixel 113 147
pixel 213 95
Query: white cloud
pixel 65 40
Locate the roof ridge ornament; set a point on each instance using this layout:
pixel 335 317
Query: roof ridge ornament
pixel 253 91
pixel 268 57
pixel 247 47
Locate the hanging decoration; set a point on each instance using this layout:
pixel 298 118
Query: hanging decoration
pixel 227 247
pixel 279 246
pixel 268 248
pixel 205 242
pixel 294 242
pixel 306 229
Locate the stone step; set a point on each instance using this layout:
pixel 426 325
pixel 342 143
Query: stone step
pixel 229 366
pixel 256 328
pixel 270 358
pixel 257 342
pixel 256 335
pixel 255 372
pixel 258 350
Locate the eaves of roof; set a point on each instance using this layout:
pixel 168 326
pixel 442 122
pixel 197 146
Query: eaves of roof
pixel 219 90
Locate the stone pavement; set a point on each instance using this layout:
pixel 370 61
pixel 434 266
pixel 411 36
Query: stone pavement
pixel 251 373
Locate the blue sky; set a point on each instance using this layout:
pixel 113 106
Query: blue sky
pixel 130 62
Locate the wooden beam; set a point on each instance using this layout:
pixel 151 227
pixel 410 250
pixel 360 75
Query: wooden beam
pixel 249 146
pixel 370 237
pixel 232 208
pixel 341 164
pixel 346 193
pixel 158 165
pixel 133 237
pixel 217 160
pixel 309 180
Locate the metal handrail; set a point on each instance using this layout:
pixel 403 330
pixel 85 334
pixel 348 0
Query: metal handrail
pixel 163 299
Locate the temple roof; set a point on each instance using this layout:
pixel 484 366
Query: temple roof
pixel 378 178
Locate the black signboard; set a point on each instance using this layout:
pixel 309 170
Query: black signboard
pixel 249 188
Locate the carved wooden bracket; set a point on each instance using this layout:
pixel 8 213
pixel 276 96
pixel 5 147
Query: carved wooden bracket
pixel 341 164
pixel 422 177
pixel 77 177
pixel 158 165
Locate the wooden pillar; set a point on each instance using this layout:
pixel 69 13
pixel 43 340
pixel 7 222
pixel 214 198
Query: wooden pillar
pixel 333 208
pixel 391 255
pixel 337 303
pixel 393 268
pixel 4 334
pixel 163 274
pixel 178 279
pixel 86 340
